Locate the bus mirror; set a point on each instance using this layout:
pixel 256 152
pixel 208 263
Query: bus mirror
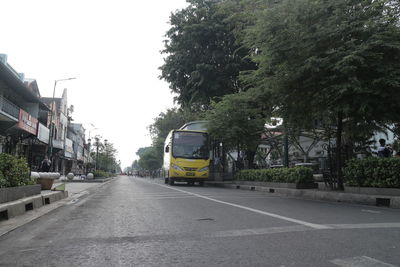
pixel 166 149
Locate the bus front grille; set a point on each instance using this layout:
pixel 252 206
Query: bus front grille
pixel 190 169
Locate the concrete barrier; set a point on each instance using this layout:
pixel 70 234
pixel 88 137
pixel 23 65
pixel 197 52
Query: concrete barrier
pixel 51 197
pixel 14 193
pixel 313 194
pixel 19 207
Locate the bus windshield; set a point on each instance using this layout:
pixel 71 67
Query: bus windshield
pixel 190 145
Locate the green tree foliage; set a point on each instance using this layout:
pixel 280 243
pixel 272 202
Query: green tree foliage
pixel 165 122
pixel 150 160
pixel 331 55
pixel 337 59
pixel 141 151
pixel 135 165
pixel 106 157
pixel 238 121
pixel 203 60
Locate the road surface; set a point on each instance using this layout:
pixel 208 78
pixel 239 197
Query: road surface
pixel 133 221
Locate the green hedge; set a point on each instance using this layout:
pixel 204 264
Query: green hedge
pixel 102 174
pixel 373 172
pixel 14 171
pixel 280 175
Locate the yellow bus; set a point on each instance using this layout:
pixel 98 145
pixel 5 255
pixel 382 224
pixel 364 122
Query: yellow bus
pixel 186 156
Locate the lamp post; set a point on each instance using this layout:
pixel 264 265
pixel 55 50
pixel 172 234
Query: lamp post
pixel 50 151
pixel 106 154
pixel 97 138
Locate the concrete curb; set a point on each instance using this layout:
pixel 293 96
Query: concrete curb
pixel 87 181
pixel 19 207
pixel 313 194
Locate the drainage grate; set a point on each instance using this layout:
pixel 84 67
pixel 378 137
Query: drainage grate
pixel 3 215
pixel 28 206
pixel 383 202
pixel 46 200
pixel 271 190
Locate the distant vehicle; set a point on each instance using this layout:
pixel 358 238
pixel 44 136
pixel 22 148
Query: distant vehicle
pixel 186 156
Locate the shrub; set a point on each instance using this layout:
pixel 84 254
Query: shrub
pixel 281 175
pixel 373 172
pixel 14 171
pixel 102 174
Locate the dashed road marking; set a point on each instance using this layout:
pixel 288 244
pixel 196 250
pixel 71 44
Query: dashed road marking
pixel 260 231
pixel 364 225
pixel 372 211
pixel 361 261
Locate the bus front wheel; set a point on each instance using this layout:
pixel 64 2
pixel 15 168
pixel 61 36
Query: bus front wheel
pixel 166 181
pixel 171 181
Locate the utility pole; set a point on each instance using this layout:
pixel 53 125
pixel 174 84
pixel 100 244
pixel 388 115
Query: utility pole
pixel 53 109
pixel 97 152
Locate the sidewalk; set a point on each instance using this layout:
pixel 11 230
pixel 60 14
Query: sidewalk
pixel 316 194
pixel 20 212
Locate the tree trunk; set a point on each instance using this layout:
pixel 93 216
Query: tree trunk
pixel 250 155
pixel 339 150
pixel 305 157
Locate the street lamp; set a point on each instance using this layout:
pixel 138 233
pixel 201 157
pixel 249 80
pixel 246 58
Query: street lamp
pixel 93 128
pixel 106 154
pixel 50 151
pixel 97 139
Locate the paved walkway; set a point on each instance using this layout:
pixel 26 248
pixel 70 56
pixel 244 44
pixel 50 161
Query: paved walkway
pixel 75 191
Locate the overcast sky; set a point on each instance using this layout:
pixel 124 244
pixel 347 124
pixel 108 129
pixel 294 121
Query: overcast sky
pixel 111 47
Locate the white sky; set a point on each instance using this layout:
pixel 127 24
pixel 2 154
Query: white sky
pixel 111 47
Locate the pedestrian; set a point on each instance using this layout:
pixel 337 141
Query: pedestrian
pixel 45 165
pixel 384 151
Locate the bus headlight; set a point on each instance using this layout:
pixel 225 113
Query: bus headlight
pixel 176 167
pixel 203 169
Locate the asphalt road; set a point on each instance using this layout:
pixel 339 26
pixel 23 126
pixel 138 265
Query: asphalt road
pixel 141 222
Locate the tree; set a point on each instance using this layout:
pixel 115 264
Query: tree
pixel 334 59
pixel 166 121
pixel 149 160
pixel 203 60
pixel 106 156
pixel 135 165
pixel 238 120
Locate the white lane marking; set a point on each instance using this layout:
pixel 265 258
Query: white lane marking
pixel 364 225
pixel 362 261
pixel 312 225
pixel 260 231
pixel 156 198
pixel 372 211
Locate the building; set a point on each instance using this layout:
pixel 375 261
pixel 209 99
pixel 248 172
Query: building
pixel 58 123
pixel 22 124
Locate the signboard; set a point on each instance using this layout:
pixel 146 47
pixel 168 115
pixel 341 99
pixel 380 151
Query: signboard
pixel 27 122
pixel 43 133
pixel 79 156
pixel 68 146
pixel 69 150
